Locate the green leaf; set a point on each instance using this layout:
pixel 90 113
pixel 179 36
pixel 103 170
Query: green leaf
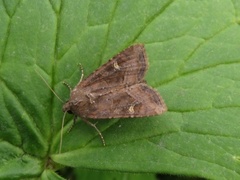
pixel 48 174
pixel 101 175
pixel 193 50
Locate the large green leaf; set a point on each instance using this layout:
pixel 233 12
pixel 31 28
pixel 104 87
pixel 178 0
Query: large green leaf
pixel 194 53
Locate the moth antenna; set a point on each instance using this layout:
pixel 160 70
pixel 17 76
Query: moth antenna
pixel 61 136
pixel 69 87
pixel 95 127
pixel 82 75
pixel 74 122
pixel 48 85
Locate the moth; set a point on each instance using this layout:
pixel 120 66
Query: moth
pixel 116 90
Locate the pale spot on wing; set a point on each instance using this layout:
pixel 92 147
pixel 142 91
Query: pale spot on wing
pixel 131 109
pixel 116 66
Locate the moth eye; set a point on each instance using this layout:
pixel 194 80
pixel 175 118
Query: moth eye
pixel 70 112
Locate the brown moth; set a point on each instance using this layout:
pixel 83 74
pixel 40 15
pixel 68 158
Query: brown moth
pixel 116 90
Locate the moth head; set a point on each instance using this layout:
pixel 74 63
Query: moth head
pixel 67 107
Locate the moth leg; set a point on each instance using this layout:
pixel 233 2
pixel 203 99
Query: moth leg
pixel 69 87
pixel 95 127
pixel 74 122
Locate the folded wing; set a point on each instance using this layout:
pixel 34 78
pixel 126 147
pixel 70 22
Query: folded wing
pixel 125 69
pixel 134 101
